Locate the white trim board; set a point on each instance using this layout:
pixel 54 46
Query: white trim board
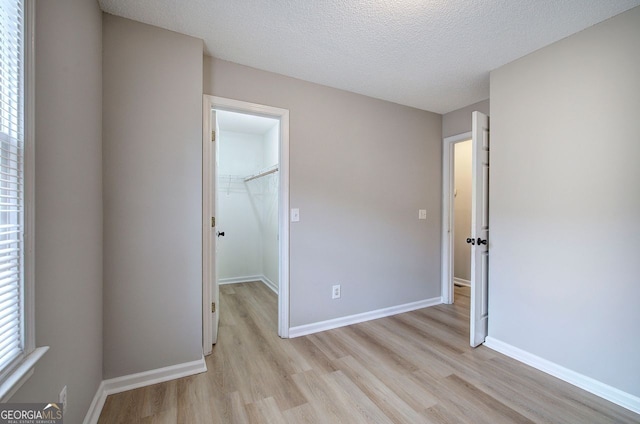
pixel 316 327
pixel 598 388
pixel 141 379
pixel 273 286
pixel 238 280
pixel 251 279
pixel 461 281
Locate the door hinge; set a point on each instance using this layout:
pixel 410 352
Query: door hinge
pixel 213 136
pixel 213 307
pixel 213 221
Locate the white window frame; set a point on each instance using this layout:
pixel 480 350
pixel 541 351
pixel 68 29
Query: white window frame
pixel 20 371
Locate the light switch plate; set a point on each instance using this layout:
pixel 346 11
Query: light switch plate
pixel 422 214
pixel 295 215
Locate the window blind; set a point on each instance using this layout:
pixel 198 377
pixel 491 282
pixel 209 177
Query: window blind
pixel 11 182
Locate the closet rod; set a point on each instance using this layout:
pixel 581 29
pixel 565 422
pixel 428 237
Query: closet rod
pixel 262 174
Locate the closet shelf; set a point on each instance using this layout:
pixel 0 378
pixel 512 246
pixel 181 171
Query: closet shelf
pixel 262 173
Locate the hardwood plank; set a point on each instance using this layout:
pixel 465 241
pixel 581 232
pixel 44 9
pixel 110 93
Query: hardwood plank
pixel 321 398
pixel 257 355
pixel 415 367
pixel 303 414
pixel 265 411
pixel 314 355
pixel 169 416
pixel 159 398
pixel 476 405
pixel 238 411
pixel 328 345
pixel 381 394
pixel 354 399
pixel 399 379
pixel 123 407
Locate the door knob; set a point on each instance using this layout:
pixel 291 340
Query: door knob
pixel 480 241
pixel 220 234
pixel 471 241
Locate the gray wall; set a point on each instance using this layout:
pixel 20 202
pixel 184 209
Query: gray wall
pixel 152 142
pixel 68 245
pixel 565 203
pixel 360 169
pixel 459 121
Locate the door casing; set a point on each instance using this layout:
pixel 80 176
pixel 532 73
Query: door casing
pixel 221 103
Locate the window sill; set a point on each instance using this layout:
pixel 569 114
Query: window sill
pixel 21 374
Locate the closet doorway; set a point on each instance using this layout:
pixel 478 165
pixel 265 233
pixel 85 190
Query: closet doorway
pixel 245 204
pixel 478 237
pixel 247 213
pixel 461 227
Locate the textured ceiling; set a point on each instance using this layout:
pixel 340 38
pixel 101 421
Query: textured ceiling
pixel 430 54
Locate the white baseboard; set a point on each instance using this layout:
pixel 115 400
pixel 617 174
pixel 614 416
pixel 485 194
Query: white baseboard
pixel 461 281
pixel 273 286
pixel 317 327
pixel 236 280
pixel 135 381
pixel 617 396
pixel 250 279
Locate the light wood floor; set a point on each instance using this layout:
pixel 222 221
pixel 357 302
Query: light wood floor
pixel 415 367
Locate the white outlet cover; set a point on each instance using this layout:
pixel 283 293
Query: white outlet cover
pixel 422 214
pixel 335 292
pixel 295 215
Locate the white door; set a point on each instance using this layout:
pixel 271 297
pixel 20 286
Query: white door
pixel 479 228
pixel 215 292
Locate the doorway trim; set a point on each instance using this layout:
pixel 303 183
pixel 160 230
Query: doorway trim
pixel 448 144
pixel 221 103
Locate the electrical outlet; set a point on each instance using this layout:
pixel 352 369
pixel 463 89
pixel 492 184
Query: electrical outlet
pixel 422 214
pixel 335 292
pixel 295 215
pixel 62 398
